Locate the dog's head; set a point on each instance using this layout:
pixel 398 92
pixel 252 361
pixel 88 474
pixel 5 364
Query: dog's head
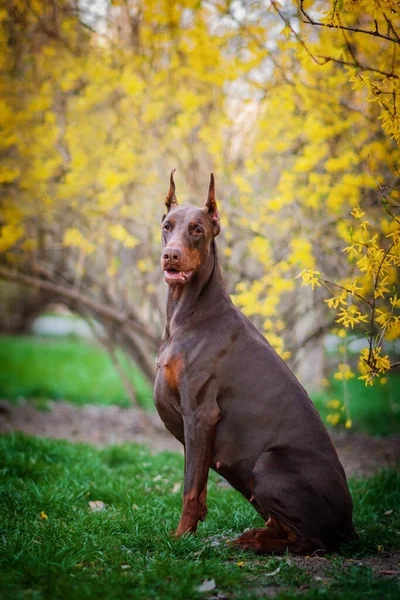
pixel 187 235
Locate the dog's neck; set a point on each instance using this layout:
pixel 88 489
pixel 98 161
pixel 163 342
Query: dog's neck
pixel 183 300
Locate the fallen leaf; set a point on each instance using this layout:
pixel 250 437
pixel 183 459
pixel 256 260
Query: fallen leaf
pixel 96 505
pixel 388 512
pixel 157 478
pixel 223 484
pixel 176 488
pixel 135 507
pixel 125 567
pixel 206 586
pixel 273 572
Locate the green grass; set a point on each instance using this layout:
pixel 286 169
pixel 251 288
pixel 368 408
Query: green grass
pixel 374 410
pixel 126 550
pixel 65 368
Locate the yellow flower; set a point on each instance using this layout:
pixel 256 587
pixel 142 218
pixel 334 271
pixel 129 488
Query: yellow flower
pixel 357 213
pixel 310 277
pixel 344 372
pixel 268 324
pixel 381 289
pixel 333 404
pixel 376 363
pixel 351 317
pixel 333 418
pixel 240 563
pixel 352 251
pixel 336 300
pixel 368 379
pixel 43 515
pixel 348 424
pixel 74 237
pixel 394 301
pixel 228 251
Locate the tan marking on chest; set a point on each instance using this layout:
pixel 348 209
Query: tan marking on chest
pixel 173 371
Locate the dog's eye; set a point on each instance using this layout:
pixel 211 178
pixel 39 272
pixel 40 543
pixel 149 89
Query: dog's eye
pixel 197 230
pixel 167 227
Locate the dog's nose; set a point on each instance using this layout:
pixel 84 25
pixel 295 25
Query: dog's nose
pixel 172 255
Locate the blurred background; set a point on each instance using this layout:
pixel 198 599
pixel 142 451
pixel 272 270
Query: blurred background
pixel 296 117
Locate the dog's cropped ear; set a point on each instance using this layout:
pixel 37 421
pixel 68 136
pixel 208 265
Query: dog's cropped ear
pixel 170 199
pixel 211 206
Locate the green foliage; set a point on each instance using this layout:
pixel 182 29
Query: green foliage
pixel 65 369
pixel 374 410
pixel 127 549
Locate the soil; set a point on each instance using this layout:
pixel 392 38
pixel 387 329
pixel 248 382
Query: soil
pixel 385 564
pixel 99 425
pixel 361 455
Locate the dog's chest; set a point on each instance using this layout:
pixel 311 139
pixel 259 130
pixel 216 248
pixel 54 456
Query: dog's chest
pixel 166 392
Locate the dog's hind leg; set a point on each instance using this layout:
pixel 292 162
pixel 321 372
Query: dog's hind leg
pixel 287 500
pixel 276 538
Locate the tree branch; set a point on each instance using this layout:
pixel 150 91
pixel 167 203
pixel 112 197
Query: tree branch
pixel 359 66
pixel 374 33
pixel 130 332
pixel 106 312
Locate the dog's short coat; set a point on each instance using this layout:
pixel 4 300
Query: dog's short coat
pixel 224 392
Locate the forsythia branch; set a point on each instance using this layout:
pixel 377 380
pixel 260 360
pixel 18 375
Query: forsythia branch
pixel 375 33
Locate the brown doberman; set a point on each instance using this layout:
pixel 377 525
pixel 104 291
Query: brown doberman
pixel 224 392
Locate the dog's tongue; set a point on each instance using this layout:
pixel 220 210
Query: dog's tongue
pixel 176 276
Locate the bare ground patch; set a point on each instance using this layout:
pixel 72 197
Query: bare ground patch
pixel 102 425
pixel 99 425
pixel 386 564
pixel 322 571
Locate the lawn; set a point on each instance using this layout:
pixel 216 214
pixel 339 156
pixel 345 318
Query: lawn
pixel 71 369
pixel 54 546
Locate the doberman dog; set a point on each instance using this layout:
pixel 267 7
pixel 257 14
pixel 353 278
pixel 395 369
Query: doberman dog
pixel 223 391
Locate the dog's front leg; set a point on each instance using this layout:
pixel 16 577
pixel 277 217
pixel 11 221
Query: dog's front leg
pixel 199 431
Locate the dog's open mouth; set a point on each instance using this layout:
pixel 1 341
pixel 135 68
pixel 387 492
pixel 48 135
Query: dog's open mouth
pixel 175 277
